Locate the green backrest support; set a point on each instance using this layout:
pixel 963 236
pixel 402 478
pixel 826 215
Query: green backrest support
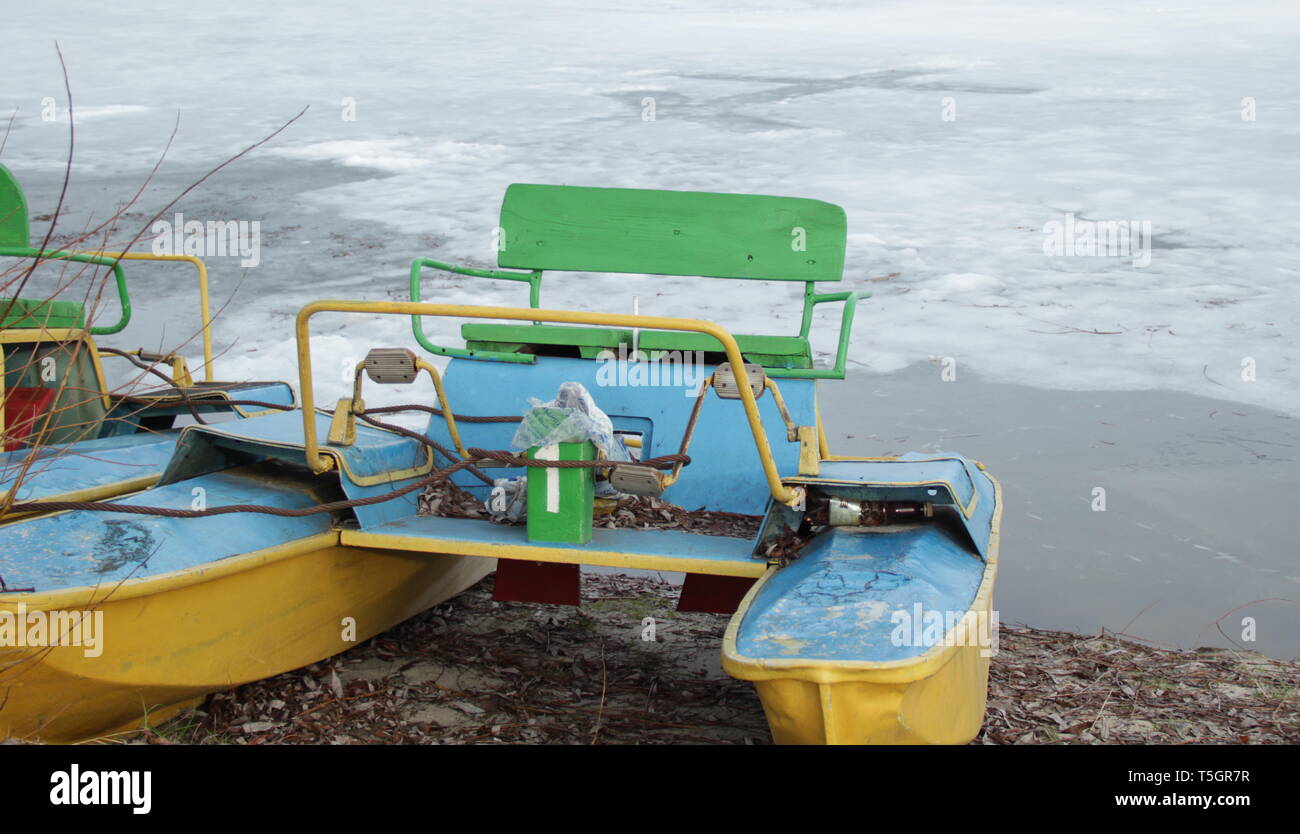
pixel 671 233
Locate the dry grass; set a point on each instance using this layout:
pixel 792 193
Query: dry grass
pixel 1054 687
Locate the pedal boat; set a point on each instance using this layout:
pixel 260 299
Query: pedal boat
pixel 118 627
pixel 856 609
pixel 67 435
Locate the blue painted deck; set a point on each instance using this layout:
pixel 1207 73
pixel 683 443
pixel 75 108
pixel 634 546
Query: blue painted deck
pixel 834 603
pixel 279 435
pixel 837 600
pixel 125 418
pixel 88 464
pixel 913 467
pixel 94 548
pixel 203 449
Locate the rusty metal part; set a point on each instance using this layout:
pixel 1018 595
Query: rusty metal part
pixel 847 512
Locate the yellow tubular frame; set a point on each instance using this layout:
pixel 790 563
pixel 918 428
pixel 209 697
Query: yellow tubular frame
pixel 446 405
pixel 420 365
pixel 204 309
pixel 791 429
pixel 321 463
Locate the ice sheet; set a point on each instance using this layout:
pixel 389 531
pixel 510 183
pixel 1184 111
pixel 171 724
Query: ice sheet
pixel 1106 110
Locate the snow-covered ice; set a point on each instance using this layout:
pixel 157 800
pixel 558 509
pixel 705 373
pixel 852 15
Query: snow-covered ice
pixel 951 132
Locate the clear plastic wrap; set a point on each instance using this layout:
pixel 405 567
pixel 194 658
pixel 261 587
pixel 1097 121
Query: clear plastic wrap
pixel 571 417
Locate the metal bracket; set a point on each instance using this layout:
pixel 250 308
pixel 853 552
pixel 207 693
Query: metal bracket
pixel 636 480
pixel 391 366
pixel 809 454
pixel 728 387
pixel 343 426
pixel 181 376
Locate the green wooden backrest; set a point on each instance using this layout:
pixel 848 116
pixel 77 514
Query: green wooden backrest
pixel 13 212
pixel 671 233
pixel 690 233
pixel 15 242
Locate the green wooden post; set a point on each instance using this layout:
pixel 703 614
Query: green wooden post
pixel 560 501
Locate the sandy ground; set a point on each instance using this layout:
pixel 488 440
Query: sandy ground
pixel 475 671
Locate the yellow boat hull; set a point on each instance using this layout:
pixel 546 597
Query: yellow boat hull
pixel 939 701
pixel 167 641
pixel 938 697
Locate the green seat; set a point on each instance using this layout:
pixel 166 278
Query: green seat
pixel 589 342
pixel 644 232
pixel 586 342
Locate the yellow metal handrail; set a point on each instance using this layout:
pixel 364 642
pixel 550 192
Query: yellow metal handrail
pixel 204 309
pixel 322 463
pixel 357 405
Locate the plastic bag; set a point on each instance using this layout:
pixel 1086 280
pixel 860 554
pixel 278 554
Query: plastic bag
pixel 508 503
pixel 571 417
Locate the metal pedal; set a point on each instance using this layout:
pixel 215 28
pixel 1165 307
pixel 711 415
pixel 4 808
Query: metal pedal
pixel 728 387
pixel 391 366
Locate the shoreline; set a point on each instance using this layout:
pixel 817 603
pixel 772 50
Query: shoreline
pixel 1150 513
pixel 475 671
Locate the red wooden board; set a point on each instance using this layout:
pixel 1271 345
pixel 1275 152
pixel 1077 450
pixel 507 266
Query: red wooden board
pixel 714 594
pixel 521 581
pixel 23 408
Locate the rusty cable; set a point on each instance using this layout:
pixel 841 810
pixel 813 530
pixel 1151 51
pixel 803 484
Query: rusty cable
pixel 508 458
pixel 185 397
pixel 437 412
pixel 427 441
pixel 511 459
pixel 169 512
pixel 387 409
